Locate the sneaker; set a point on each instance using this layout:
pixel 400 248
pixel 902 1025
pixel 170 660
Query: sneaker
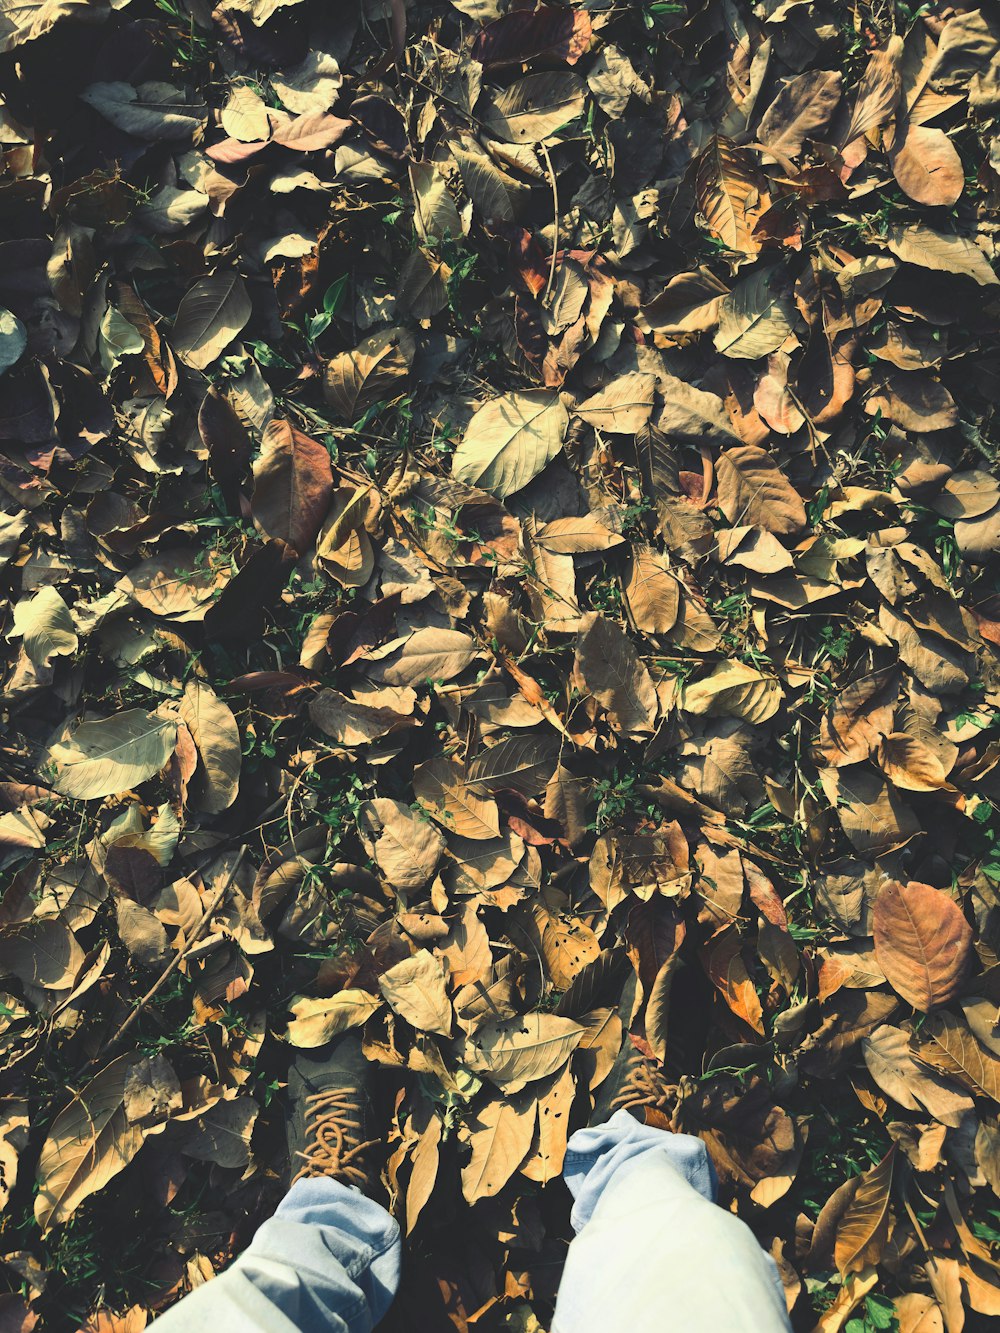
pixel 330 1132
pixel 635 1084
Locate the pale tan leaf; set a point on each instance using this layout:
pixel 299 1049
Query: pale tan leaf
pixel 891 1064
pixel 45 626
pixel 622 406
pixel 499 1135
pixel 435 214
pixel 415 990
pixel 548 1148
pixel 733 689
pixel 574 536
pixel 652 592
pixel 217 737
pixel 928 168
pixel 918 1314
pixel 317 1021
pixel 851 1293
pixel 510 440
pixel 566 945
pixel 431 654
pixel 917 243
pixel 311 86
pixel 878 92
pixel 244 115
pixel 756 317
pixel 406 847
pixel 88 1143
pixel 113 754
pixel 517 1052
pixel 533 107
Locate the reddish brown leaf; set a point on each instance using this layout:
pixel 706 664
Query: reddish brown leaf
pixel 923 943
pixel 293 483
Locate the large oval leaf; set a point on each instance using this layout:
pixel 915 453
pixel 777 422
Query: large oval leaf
pixel 534 107
pixel 293 482
pixel 922 943
pixel 510 440
pixel 90 1141
pixel 521 1050
pixel 209 317
pixel 113 754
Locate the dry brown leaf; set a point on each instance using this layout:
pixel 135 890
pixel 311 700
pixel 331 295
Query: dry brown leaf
pixel 88 1143
pixel 653 594
pixel 405 846
pixel 608 666
pixel 317 1021
pixel 946 1043
pixel 922 943
pixel 500 1136
pixel 415 990
pixel 731 195
pixel 376 369
pixel 864 1228
pixel 927 167
pixel 442 788
pixel 753 490
pixel 293 484
pixel 519 1051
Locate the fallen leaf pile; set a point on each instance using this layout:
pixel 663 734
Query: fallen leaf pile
pixel 499 522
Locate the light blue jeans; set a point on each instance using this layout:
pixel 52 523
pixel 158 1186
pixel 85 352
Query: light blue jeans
pixel 652 1251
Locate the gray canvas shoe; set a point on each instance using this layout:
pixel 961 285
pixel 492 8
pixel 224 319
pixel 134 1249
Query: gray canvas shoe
pixel 332 1130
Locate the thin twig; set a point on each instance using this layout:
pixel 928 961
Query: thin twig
pixel 180 956
pixel 555 222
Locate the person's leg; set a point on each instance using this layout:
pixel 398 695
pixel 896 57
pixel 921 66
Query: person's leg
pixel 328 1260
pixel 652 1249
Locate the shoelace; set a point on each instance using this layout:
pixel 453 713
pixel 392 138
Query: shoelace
pixel 644 1085
pixel 334 1144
